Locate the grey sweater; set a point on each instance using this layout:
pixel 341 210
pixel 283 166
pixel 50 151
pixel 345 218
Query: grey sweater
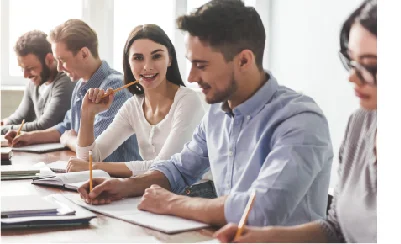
pixel 44 112
pixel 353 213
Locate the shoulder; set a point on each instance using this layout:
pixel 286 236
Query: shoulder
pixel 186 95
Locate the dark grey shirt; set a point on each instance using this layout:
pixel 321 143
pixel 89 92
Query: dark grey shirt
pixel 353 213
pixel 42 112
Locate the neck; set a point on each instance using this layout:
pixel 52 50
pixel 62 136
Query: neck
pixel 90 68
pixel 248 85
pixel 158 95
pixel 53 73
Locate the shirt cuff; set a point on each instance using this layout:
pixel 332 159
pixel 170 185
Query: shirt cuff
pixel 60 128
pixel 174 177
pixel 83 152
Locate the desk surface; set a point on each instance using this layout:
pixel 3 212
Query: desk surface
pixel 100 229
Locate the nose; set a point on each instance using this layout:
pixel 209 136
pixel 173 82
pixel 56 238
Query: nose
pixel 26 74
pixel 194 75
pixel 60 67
pixel 148 66
pixel 354 78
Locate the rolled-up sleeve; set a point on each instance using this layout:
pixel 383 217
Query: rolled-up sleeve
pixel 65 124
pixel 300 149
pixel 187 167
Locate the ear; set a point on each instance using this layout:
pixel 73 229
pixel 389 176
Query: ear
pixel 49 59
pixel 85 53
pixel 245 59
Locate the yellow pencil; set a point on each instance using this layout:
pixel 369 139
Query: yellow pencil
pixel 120 88
pixel 90 171
pixel 247 209
pixel 20 128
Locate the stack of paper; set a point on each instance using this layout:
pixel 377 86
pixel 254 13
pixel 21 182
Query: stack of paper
pixel 67 213
pixel 17 206
pixel 11 172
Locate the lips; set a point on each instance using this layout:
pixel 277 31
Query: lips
pixel 149 77
pixel 361 95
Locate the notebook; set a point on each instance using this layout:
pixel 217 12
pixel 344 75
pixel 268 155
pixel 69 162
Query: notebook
pixel 127 209
pixel 58 166
pixel 71 180
pixel 12 206
pixel 75 216
pixel 10 172
pixel 6 153
pixel 40 148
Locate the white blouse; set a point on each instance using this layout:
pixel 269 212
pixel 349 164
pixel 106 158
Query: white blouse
pixel 156 142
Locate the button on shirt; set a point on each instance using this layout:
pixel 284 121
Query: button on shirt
pixel 105 77
pixel 276 142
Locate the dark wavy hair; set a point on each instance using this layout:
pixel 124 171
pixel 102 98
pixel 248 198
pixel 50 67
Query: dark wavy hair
pixel 229 27
pixel 365 15
pixel 156 34
pixel 33 42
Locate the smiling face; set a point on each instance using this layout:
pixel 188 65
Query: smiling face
pixel 362 48
pixel 149 61
pixel 67 62
pixel 33 69
pixel 210 70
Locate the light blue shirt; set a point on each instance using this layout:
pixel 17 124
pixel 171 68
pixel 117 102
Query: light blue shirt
pixel 276 142
pixel 105 77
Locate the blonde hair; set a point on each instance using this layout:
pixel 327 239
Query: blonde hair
pixel 76 34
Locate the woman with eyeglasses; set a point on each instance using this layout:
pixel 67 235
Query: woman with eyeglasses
pixel 353 214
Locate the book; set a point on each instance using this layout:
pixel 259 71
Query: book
pixel 69 214
pixel 9 172
pixel 6 153
pixel 12 206
pixel 71 180
pixel 127 210
pixel 40 148
pixel 58 166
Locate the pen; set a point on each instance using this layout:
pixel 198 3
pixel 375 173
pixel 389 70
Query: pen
pixel 20 128
pixel 120 88
pixel 90 171
pixel 247 209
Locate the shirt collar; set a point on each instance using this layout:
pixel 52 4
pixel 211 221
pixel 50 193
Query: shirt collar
pixel 255 103
pixel 96 79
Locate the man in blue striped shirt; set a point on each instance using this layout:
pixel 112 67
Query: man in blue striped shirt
pixel 257 136
pixel 75 47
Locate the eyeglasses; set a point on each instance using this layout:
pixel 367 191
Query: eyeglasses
pixel 367 74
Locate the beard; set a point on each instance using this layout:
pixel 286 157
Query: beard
pixel 45 74
pixel 223 96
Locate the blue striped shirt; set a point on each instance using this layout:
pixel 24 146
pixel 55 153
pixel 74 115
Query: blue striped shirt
pixel 105 77
pixel 277 142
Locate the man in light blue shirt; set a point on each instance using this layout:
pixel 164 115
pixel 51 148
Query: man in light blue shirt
pixel 75 47
pixel 257 135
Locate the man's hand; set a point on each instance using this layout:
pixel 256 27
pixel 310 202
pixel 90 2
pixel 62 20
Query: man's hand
pixel 77 164
pixel 24 139
pixel 93 102
pixel 104 190
pixel 69 139
pixel 250 234
pixel 157 200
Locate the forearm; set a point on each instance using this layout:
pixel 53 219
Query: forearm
pixel 210 211
pixel 86 135
pixel 45 136
pixel 114 169
pixel 310 232
pixel 137 185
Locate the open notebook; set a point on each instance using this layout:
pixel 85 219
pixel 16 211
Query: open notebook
pixel 72 180
pixel 127 209
pixel 40 148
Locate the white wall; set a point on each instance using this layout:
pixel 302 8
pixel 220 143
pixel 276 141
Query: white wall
pixel 302 53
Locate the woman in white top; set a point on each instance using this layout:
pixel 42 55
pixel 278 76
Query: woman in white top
pixel 163 113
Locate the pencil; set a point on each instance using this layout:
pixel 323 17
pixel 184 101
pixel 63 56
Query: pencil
pixel 20 128
pixel 90 171
pixel 120 88
pixel 242 222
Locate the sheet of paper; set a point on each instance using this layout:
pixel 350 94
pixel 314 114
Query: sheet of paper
pixel 40 147
pixel 127 209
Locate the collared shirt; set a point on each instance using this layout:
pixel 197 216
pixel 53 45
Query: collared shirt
pixel 277 142
pixel 105 77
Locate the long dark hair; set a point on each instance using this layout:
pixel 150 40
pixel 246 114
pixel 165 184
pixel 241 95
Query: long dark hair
pixel 156 34
pixel 365 15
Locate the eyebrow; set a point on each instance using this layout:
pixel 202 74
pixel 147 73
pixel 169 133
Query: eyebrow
pixel 197 60
pixel 151 53
pixel 368 56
